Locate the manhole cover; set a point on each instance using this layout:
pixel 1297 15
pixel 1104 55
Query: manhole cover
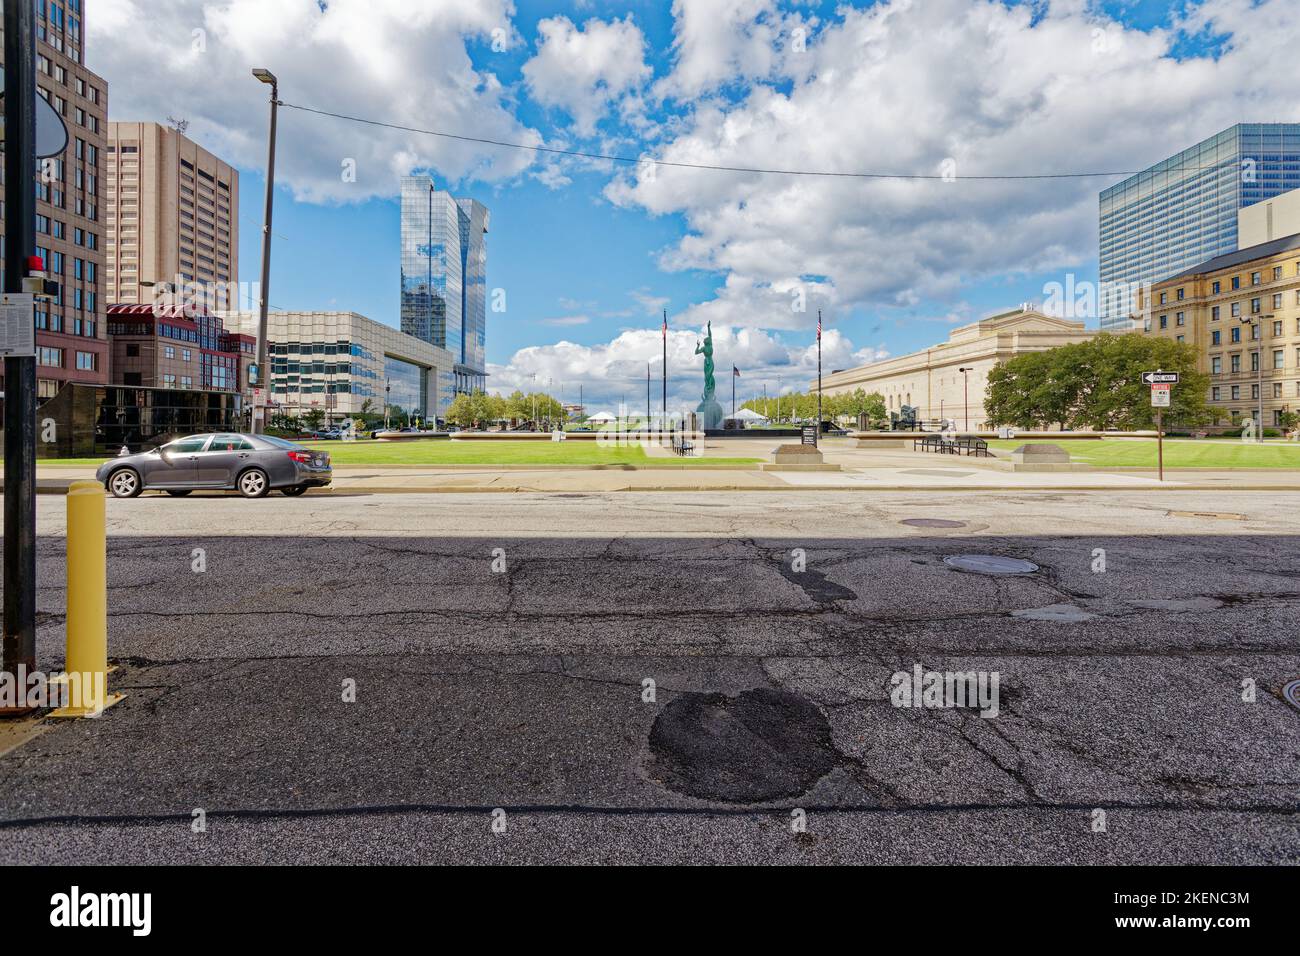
pixel 933 523
pixel 990 564
pixel 1292 693
pixel 760 745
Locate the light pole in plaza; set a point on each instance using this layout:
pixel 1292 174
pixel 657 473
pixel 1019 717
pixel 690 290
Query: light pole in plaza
pixel 1251 321
pixel 263 372
pixel 965 394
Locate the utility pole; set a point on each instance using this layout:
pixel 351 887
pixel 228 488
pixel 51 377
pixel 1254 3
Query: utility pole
pixel 647 396
pixel 263 368
pixel 20 371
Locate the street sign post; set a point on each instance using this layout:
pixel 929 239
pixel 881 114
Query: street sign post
pixel 1162 392
pixel 1159 378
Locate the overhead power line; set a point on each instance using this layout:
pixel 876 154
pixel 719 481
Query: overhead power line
pixel 640 160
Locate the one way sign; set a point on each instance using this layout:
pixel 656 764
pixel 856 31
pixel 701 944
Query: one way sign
pixel 1159 378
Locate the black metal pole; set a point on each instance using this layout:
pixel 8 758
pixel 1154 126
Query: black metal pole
pixel 665 337
pixel 20 371
pixel 647 397
pixel 819 376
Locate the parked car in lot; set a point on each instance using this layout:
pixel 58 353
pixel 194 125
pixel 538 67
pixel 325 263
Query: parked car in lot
pixel 253 465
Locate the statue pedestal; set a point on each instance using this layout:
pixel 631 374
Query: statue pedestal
pixel 710 414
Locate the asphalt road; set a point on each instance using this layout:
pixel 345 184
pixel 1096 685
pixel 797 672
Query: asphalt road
pixel 770 624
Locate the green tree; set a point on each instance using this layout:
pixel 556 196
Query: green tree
pixel 1098 385
pixel 461 411
pixel 312 419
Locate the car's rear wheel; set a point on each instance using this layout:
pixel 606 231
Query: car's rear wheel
pixel 179 492
pixel 125 483
pixel 293 491
pixel 254 483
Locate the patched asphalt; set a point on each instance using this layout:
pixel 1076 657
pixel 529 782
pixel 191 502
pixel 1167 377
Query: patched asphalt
pixel 525 689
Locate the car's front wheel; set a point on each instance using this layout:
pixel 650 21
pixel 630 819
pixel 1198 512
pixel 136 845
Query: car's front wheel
pixel 293 491
pixel 125 483
pixel 254 483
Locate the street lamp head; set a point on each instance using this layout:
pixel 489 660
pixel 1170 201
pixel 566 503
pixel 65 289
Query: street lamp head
pixel 266 76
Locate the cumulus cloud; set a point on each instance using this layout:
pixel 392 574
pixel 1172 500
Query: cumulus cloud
pixel 583 70
pixel 615 371
pixel 372 58
pixel 972 86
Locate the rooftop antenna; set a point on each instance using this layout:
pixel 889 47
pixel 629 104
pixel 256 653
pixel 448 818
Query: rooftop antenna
pixel 180 125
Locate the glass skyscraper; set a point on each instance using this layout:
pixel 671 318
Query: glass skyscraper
pixel 1183 211
pixel 444 279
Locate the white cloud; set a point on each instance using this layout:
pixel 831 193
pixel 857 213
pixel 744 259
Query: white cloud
pixel 716 42
pixel 583 70
pixel 615 371
pixel 387 59
pixel 901 87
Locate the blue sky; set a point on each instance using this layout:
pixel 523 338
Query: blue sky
pixel 587 253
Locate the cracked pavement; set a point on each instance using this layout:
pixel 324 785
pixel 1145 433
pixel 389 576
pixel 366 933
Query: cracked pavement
pixel 1121 690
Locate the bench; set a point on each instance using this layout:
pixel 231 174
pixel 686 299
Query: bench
pixel 682 447
pixel 971 446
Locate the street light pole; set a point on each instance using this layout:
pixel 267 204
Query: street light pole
pixel 1259 370
pixel 965 394
pixel 263 369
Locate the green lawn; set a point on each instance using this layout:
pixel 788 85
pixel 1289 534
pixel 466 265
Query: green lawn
pixel 1179 453
pixel 484 452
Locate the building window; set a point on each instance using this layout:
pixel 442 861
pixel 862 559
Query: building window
pixel 86 361
pixel 1179 319
pixel 1256 278
pixel 1236 393
pixel 133 351
pixel 1235 335
pixel 1217 288
pixel 1214 337
pixel 1214 393
pixel 1164 321
pixel 51 358
pixel 1214 314
pixel 1256 306
pixel 1279 358
pixel 1236 308
pixel 1235 363
pixel 1216 364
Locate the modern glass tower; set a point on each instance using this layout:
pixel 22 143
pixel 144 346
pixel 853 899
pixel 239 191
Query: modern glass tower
pixel 444 279
pixel 1183 211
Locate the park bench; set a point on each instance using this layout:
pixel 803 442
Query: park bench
pixel 971 446
pixel 682 447
pixel 933 443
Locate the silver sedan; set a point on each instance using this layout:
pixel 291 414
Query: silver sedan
pixel 249 464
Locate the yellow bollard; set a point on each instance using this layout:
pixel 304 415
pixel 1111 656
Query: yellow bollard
pixel 87 594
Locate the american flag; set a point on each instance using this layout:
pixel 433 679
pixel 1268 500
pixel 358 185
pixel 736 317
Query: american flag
pixel 665 329
pixel 735 371
pixel 819 326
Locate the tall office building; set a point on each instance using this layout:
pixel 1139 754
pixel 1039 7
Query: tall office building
pixel 1183 211
pixel 444 279
pixel 173 216
pixel 71 339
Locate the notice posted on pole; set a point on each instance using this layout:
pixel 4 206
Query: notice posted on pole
pixel 17 325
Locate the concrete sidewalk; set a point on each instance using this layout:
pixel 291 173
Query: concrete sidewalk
pixel 887 473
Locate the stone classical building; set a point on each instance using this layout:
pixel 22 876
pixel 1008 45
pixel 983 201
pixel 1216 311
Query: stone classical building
pixel 933 380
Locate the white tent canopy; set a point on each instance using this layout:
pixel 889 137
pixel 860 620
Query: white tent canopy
pixel 749 415
pixel 602 417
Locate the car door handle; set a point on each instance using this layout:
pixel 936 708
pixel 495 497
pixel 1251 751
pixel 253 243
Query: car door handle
pixel 244 455
pixel 194 457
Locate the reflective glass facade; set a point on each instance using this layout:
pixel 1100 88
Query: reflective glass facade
pixel 407 384
pixel 1183 211
pixel 444 279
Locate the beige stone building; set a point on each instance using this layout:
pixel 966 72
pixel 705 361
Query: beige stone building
pixel 172 213
pixel 932 380
pixel 1235 308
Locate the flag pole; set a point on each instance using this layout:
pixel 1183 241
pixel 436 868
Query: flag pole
pixel 663 422
pixel 819 375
